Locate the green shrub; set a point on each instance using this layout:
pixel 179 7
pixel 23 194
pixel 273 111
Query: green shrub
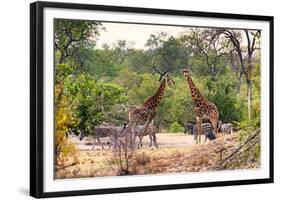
pixel 175 127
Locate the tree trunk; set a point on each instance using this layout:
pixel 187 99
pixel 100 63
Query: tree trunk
pixel 249 96
pixel 238 85
pixel 61 59
pixel 249 85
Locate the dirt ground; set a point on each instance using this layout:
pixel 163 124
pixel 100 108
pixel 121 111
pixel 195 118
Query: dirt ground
pixel 163 140
pixel 176 153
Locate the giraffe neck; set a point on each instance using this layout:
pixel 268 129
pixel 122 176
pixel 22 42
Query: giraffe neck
pixel 153 101
pixel 195 93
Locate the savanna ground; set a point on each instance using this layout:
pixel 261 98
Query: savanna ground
pixel 177 153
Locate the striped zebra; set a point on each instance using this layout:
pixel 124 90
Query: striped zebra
pixel 225 128
pixel 72 133
pixel 125 139
pixel 104 131
pixel 207 130
pixel 188 127
pixel 151 132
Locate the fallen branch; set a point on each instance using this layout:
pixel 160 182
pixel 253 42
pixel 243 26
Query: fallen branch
pixel 65 166
pixel 252 140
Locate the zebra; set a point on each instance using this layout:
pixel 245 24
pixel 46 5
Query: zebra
pixel 105 131
pixel 125 138
pixel 188 127
pixel 207 129
pixel 72 133
pixel 225 128
pixel 151 132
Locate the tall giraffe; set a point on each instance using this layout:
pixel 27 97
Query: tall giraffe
pixel 204 109
pixel 146 112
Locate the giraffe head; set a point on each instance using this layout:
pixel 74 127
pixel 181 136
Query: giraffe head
pixel 185 72
pixel 169 81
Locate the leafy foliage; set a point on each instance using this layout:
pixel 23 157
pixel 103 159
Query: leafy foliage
pixel 223 94
pixel 63 120
pixel 62 71
pixel 71 35
pixel 175 127
pixel 100 84
pixel 168 53
pixel 92 100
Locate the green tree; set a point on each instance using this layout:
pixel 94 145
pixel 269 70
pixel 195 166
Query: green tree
pixel 169 53
pixel 122 49
pixel 61 72
pixel 93 101
pixel 224 94
pixel 175 127
pixel 71 35
pixel 103 65
pixel 211 53
pixel 181 107
pixel 245 55
pixel 140 61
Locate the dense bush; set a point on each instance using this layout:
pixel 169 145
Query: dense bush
pixel 92 101
pixel 223 93
pixel 64 119
pixel 175 127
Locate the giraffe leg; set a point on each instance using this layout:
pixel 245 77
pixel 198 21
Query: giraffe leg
pixel 205 139
pixel 132 136
pixel 140 141
pixel 199 127
pixel 150 140
pixel 150 117
pixel 154 141
pixel 195 133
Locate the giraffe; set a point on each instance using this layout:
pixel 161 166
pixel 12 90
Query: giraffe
pixel 204 109
pixel 145 113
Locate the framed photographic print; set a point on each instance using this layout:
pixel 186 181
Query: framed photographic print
pixel 127 99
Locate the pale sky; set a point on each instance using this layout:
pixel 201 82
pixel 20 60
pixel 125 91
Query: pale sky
pixel 136 33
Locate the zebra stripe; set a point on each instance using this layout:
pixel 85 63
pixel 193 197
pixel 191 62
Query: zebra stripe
pixel 225 128
pixel 132 131
pixel 151 132
pixel 207 130
pixel 103 132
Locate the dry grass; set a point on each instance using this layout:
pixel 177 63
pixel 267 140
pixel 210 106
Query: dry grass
pixel 192 158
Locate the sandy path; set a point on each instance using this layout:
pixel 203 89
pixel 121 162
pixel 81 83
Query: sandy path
pixel 163 140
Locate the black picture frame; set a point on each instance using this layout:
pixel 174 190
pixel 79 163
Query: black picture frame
pixel 37 98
